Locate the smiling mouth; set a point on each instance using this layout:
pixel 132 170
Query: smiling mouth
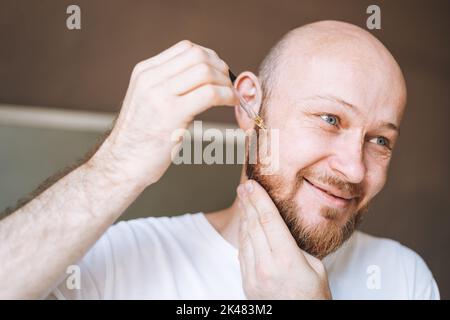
pixel 330 197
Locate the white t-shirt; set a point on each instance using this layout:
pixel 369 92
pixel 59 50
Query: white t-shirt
pixel 184 257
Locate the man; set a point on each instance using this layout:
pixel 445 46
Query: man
pixel 335 95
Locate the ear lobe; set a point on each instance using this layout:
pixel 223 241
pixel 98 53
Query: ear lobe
pixel 248 86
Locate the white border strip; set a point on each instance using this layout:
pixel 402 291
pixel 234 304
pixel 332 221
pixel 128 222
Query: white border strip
pixel 62 119
pixel 39 117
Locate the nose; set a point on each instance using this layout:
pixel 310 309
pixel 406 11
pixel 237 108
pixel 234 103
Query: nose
pixel 348 157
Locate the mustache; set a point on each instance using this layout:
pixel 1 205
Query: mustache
pixel 353 189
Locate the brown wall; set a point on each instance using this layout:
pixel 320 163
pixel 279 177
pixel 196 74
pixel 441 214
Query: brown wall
pixel 43 63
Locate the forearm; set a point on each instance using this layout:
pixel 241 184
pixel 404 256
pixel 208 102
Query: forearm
pixel 55 229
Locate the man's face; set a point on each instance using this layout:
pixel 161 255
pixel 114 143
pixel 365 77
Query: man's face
pixel 338 121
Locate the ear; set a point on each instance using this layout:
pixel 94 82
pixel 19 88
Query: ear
pixel 248 86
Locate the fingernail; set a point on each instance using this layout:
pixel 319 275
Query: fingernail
pixel 249 186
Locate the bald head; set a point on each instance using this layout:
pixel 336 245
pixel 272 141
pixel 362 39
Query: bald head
pixel 330 40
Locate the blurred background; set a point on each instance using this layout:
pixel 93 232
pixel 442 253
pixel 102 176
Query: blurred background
pixel 60 89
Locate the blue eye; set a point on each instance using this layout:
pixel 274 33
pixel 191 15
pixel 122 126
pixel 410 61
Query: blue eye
pixel 330 119
pixel 381 141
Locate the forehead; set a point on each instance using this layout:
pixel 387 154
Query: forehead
pixel 372 83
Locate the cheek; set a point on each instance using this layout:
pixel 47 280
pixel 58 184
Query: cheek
pixel 376 177
pixel 302 148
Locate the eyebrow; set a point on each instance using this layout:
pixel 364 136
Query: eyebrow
pixel 352 107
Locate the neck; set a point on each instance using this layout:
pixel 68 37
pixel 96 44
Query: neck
pixel 226 222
